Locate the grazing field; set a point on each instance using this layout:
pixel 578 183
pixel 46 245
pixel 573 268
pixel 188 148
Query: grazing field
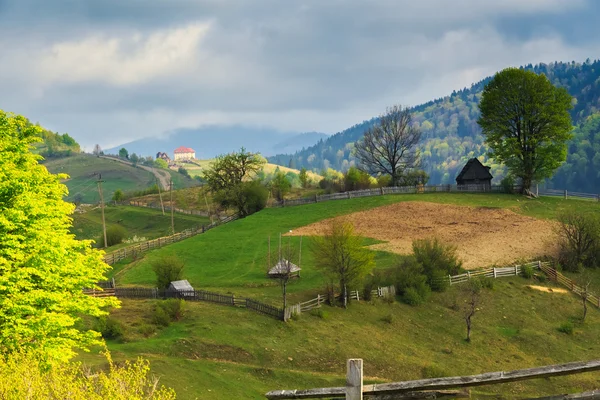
pixel 82 182
pixel 220 352
pixel 233 257
pixel 484 236
pixel 140 222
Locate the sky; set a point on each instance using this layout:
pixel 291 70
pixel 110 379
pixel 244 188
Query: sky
pixel 112 71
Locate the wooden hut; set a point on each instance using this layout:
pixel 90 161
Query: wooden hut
pixel 475 173
pixel 284 267
pixel 182 288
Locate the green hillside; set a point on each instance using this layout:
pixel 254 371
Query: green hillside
pixel 138 222
pixel 452 136
pixel 220 352
pixel 82 179
pixel 234 256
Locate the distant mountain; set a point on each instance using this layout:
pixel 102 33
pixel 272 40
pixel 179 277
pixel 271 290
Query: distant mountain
pixel 451 135
pixel 211 141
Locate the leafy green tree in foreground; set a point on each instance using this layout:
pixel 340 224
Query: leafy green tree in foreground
pixel 43 269
pixel 526 123
pixel 340 254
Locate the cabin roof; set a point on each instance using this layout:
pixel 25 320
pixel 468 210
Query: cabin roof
pixel 474 169
pixel 282 266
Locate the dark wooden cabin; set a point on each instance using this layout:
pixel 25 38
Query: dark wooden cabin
pixel 475 173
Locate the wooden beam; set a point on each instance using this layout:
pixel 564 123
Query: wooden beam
pixel 594 394
pixel 444 383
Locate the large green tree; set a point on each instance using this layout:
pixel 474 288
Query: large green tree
pixel 230 177
pixel 526 123
pixel 43 269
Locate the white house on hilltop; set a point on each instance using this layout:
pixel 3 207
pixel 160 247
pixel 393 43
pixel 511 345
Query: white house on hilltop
pixel 184 153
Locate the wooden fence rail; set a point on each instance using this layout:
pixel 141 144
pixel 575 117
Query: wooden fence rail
pixel 148 245
pixel 355 389
pixel 557 277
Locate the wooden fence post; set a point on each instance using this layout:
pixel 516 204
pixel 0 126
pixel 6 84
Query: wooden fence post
pixel 566 195
pixel 516 270
pixel 495 272
pixel 450 279
pixel 354 379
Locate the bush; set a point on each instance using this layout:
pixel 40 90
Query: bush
pixel 527 271
pixel 433 371
pixel 437 259
pixel 579 240
pixel 508 184
pixel 319 312
pixel 115 234
pixel 147 330
pixel 160 317
pixel 487 283
pixel 409 274
pixel 109 328
pixel 567 328
pixel 388 319
pixel 167 270
pixel 415 296
pixel 542 278
pixel 174 308
pixel 256 197
pixel 439 281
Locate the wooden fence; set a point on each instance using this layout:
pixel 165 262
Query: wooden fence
pixel 545 267
pixel 148 245
pixel 355 389
pixel 320 299
pixel 266 309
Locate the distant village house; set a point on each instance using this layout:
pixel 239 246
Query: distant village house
pixel 163 156
pixel 475 173
pixel 184 153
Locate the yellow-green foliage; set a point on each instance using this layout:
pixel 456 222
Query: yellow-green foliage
pixel 23 377
pixel 43 269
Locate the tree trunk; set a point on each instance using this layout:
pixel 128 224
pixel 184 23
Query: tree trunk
pixel 468 319
pixel 526 184
pixel 584 308
pixel 345 295
pixel 284 295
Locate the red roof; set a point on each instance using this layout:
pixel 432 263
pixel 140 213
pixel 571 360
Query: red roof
pixel 183 149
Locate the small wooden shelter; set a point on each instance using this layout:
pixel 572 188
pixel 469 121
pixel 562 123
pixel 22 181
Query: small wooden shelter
pixel 284 267
pixel 182 286
pixel 475 173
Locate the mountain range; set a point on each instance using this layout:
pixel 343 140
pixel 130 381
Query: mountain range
pixel 210 141
pixel 451 134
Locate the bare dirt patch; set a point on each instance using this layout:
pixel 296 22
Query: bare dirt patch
pixel 547 289
pixel 484 236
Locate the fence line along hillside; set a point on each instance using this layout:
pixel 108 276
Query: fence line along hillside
pixel 135 203
pixel 472 188
pixel 545 267
pixel 148 245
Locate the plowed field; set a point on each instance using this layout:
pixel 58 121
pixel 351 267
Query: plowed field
pixel 484 236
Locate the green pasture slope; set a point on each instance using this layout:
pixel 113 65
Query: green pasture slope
pixel 115 175
pixel 232 258
pixel 221 352
pixel 138 221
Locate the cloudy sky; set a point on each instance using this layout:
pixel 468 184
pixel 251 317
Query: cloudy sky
pixel 111 71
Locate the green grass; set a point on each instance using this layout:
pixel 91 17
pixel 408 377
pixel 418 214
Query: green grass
pixel 115 175
pixel 141 222
pixel 221 352
pixel 233 257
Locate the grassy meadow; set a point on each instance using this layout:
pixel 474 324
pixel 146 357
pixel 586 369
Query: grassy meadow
pixel 233 257
pixel 81 169
pixel 137 221
pixel 220 352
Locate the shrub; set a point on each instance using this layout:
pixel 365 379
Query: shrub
pixel 115 234
pixel 319 312
pixel 167 270
pixel 256 197
pixel 174 308
pixel 415 296
pixel 436 259
pixel 439 281
pixel 541 277
pixel 508 184
pixel 408 273
pixel 109 328
pixel 388 319
pixel 567 328
pixel 487 283
pixel 433 371
pixel 579 239
pixel 147 330
pixel 527 271
pixel 160 317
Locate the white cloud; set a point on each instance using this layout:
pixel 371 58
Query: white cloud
pixel 125 60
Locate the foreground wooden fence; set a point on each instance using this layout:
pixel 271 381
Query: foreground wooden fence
pixel 148 245
pixel 355 389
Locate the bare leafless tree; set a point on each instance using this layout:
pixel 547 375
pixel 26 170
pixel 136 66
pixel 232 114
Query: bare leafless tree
pixel 472 291
pixel 390 146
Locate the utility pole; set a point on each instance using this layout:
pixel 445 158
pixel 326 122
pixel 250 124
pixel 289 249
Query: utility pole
pixel 102 208
pixel 172 207
pixel 162 206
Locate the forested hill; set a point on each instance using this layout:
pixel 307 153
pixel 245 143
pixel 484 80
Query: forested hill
pixel 55 145
pixel 452 136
